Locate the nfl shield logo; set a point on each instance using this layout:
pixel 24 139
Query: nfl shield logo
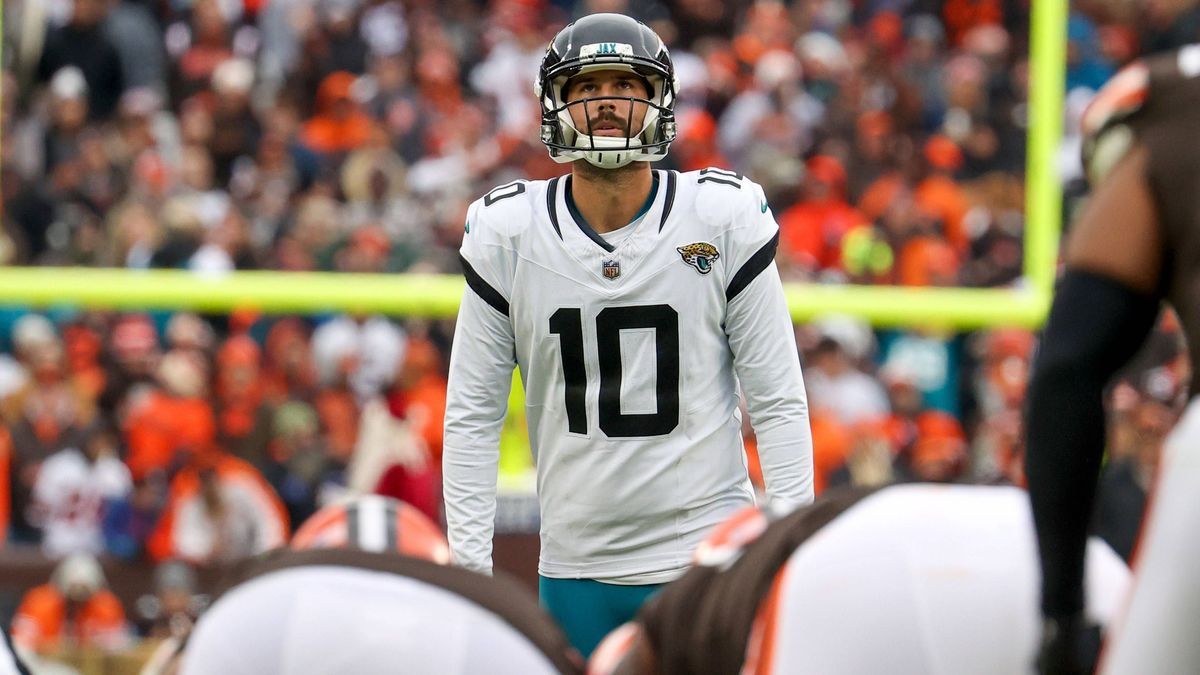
pixel 612 269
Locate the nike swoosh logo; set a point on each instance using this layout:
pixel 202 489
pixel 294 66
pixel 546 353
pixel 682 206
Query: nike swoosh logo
pixel 763 206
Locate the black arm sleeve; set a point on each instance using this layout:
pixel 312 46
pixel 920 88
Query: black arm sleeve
pixel 1096 325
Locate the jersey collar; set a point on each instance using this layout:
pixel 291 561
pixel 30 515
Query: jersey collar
pixel 586 227
pixel 660 177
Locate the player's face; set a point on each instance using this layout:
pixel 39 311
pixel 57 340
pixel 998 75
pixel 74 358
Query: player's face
pixel 616 116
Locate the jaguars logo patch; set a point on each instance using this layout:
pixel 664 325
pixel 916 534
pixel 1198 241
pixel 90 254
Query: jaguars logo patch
pixel 700 255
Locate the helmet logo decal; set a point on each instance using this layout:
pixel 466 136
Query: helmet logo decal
pixel 606 49
pixel 700 255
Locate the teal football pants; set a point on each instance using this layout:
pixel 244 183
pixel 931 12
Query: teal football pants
pixel 588 610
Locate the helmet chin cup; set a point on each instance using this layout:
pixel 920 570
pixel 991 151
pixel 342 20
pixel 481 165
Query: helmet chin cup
pixel 605 152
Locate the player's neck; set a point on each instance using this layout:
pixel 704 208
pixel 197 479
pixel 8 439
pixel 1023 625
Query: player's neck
pixel 610 198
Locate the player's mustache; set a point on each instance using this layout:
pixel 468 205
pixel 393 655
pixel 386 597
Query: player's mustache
pixel 607 117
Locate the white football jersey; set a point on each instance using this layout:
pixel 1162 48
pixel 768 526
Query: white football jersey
pixel 630 356
pixel 69 497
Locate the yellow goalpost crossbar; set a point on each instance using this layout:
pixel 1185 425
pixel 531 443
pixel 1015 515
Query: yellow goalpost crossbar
pixel 438 295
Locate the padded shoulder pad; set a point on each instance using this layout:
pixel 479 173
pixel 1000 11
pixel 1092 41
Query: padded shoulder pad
pixel 493 221
pixel 734 209
pixel 505 210
pixel 720 194
pixel 1105 138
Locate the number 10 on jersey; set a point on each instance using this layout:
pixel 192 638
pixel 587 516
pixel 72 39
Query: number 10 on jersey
pixel 567 324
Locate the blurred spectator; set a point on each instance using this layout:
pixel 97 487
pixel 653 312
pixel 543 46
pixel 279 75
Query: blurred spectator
pixel 133 31
pixel 84 44
pixel 74 489
pixel 301 469
pixel 46 415
pixel 236 128
pixel 243 416
pixel 31 333
pixel 811 232
pixel 288 368
pixel 1086 66
pixel 836 385
pixel 939 194
pixel 1003 376
pixel 198 47
pixel 777 111
pixel 419 393
pixel 939 454
pixel 339 125
pixel 75 610
pixel 930 360
pixel 870 459
pixel 219 510
pixel 6 476
pixel 175 417
pixel 68 116
pixel 132 354
pixel 833 443
pixel 365 350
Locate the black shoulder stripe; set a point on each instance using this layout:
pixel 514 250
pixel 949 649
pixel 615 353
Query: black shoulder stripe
pixel 669 199
pixel 489 295
pixel 551 204
pixel 758 262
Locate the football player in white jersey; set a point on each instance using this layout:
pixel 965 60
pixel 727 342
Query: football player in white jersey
pixel 633 301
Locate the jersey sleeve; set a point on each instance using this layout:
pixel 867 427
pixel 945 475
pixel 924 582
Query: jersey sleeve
pixel 759 328
pixel 486 259
pixel 752 238
pixel 481 364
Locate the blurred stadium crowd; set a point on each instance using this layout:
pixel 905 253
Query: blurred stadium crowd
pixel 350 135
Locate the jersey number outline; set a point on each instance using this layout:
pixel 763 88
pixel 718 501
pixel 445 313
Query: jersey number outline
pixel 504 192
pixel 567 324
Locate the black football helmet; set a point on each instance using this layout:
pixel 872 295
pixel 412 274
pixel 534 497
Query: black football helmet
pixel 607 42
